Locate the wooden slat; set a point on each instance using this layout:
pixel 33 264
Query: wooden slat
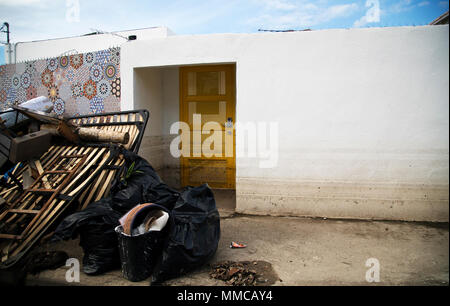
pixel 42 190
pixel 40 170
pixel 95 185
pixel 23 211
pixel 52 212
pixel 8 236
pixel 55 193
pixel 92 191
pixel 108 180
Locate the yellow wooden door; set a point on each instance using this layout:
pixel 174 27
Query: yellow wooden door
pixel 208 92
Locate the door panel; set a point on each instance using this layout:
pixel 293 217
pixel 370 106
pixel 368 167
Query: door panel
pixel 209 91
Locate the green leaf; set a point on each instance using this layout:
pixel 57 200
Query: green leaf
pixel 129 173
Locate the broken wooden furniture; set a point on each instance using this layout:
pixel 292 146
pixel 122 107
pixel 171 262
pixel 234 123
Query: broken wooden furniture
pixel 25 148
pixel 11 122
pixel 70 175
pixel 69 170
pixel 134 122
pixel 76 130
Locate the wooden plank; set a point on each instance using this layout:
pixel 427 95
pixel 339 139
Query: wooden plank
pixel 53 211
pixel 44 213
pixel 96 184
pixel 40 170
pixel 32 235
pixel 24 204
pixel 82 199
pixel 82 185
pixel 42 190
pixel 55 193
pixel 33 200
pixel 38 115
pixel 108 179
pixel 83 150
pixel 62 151
pixel 57 171
pixel 8 236
pixel 85 168
pixel 23 211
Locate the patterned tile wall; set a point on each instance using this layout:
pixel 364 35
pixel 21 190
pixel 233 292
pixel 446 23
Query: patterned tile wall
pixel 77 84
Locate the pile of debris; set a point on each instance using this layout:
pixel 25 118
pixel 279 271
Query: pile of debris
pixel 81 177
pixel 52 163
pixel 244 273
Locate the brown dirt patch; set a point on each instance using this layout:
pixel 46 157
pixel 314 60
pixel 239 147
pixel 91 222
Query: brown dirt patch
pixel 244 273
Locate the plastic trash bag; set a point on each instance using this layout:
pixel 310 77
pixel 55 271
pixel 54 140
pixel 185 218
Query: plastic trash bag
pixel 194 234
pixel 95 225
pixel 143 185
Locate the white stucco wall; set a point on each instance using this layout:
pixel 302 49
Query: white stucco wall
pixel 26 51
pixel 148 91
pixel 362 114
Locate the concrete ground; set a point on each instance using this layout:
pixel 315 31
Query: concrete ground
pixel 306 251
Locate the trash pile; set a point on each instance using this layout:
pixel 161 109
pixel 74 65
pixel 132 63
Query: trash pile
pixel 244 273
pixel 170 234
pixel 234 273
pixel 49 168
pixel 87 181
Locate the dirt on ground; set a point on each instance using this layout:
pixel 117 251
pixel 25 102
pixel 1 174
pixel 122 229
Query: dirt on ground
pixel 244 273
pixel 304 251
pixel 49 260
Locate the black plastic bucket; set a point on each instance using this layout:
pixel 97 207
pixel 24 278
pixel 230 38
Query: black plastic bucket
pixel 139 253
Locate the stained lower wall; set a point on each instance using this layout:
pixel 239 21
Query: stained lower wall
pixel 346 199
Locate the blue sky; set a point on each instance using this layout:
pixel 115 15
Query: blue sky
pixel 44 19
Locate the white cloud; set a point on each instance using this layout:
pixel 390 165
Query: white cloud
pixel 423 3
pixel 372 14
pixel 338 11
pixel 303 14
pixel 402 6
pixel 279 4
pixel 20 2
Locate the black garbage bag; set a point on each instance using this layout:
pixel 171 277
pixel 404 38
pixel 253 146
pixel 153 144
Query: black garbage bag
pixel 140 184
pixel 139 253
pixel 194 234
pixel 95 225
